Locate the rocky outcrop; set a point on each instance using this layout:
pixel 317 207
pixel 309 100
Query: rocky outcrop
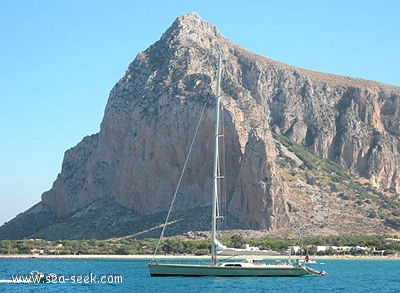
pixel 150 118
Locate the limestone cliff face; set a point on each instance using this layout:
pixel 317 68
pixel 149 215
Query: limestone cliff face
pixel 152 112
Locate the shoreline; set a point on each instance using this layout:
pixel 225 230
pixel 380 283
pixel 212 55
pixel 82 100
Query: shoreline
pixel 150 256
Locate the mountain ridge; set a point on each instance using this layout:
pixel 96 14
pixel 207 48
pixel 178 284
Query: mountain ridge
pixel 148 124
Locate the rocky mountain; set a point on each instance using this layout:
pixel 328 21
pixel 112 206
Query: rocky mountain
pixel 302 148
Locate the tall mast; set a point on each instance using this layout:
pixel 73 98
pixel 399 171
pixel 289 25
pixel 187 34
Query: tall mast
pixel 215 168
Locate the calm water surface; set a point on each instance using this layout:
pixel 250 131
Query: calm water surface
pixel 354 275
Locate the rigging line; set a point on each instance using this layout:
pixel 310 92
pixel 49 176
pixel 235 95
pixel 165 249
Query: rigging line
pixel 179 182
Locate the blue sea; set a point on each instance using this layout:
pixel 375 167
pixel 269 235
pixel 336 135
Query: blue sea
pixel 83 275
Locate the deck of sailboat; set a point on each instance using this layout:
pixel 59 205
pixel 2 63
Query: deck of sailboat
pixel 233 269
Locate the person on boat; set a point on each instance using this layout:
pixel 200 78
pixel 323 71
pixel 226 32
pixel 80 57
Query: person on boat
pixel 307 259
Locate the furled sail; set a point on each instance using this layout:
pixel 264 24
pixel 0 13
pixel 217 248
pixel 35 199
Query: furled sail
pixel 248 250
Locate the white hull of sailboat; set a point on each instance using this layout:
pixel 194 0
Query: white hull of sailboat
pixel 227 270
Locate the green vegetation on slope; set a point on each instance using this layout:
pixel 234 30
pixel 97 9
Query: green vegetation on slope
pixel 323 172
pixel 185 246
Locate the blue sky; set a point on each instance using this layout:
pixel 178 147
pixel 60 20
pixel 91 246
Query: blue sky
pixel 60 59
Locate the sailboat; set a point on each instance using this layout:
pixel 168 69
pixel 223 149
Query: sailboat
pixel 227 268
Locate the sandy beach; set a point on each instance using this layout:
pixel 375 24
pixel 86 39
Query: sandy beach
pixel 101 256
pixel 149 257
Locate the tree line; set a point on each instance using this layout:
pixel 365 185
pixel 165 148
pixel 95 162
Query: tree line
pixel 188 246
